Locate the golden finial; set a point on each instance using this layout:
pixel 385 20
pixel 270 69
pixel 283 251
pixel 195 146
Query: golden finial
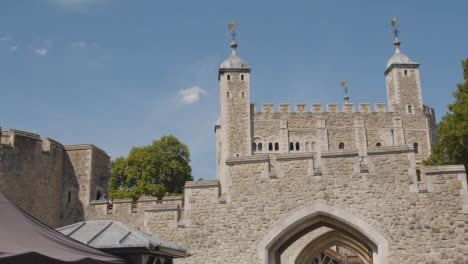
pixel 232 27
pixel 345 85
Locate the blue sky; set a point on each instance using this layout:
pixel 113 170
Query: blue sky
pixel 118 74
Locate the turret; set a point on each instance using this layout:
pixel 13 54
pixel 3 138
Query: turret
pixel 403 83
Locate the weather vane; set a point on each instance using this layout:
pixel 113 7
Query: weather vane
pixel 232 27
pixel 345 85
pixel 395 26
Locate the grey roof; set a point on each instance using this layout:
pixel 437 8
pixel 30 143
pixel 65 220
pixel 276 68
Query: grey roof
pixel 234 62
pixel 110 234
pixel 398 57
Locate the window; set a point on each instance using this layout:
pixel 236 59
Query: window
pixel 242 94
pixel 418 175
pixel 69 196
pixel 416 148
pixel 260 147
pixel 297 145
pixel 228 95
pixel 410 109
pixel 276 146
pixel 378 144
pixel 229 77
pixel 254 147
pixel 307 146
pixel 270 146
pixel 406 72
pixel 291 146
pixel 341 145
pixel 98 195
pixel 242 77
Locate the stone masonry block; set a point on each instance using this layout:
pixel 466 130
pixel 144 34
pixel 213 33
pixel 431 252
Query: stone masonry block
pixel 348 108
pixel 316 108
pixel 267 108
pixel 285 108
pixel 364 108
pixel 332 108
pixel 253 108
pixel 380 107
pixel 300 108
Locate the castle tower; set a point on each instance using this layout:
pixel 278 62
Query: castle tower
pixel 403 83
pixel 233 131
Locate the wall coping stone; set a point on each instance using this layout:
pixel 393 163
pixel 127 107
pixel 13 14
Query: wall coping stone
pixel 444 169
pixel 147 199
pixel 247 159
pixel 55 143
pixel 126 200
pixel 84 147
pixel 172 198
pixel 295 156
pixel 202 184
pixel 162 207
pixel 97 202
pixel 340 153
pixel 390 150
pixel 14 132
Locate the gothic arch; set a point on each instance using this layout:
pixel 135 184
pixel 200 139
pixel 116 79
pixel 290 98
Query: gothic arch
pixel 289 228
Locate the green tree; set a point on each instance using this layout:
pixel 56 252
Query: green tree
pixel 158 168
pixel 452 148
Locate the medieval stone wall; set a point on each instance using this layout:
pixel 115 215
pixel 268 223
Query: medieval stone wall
pixel 423 222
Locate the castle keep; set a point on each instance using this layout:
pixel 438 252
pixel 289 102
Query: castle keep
pixel 303 184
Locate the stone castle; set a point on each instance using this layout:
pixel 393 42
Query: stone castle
pixel 302 186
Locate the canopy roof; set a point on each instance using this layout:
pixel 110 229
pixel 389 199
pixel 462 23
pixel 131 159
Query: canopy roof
pixel 24 239
pixel 115 236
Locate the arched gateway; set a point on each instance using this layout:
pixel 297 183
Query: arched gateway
pixel 343 230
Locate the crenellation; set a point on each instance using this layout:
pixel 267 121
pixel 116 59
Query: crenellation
pixel 332 108
pixel 348 108
pixel 267 108
pixel 316 108
pixel 380 108
pixel 300 108
pixel 253 108
pixel 284 108
pixel 365 108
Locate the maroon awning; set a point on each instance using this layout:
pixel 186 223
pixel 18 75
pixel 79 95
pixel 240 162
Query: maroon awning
pixel 24 239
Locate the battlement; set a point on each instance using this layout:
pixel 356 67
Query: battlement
pixel 318 108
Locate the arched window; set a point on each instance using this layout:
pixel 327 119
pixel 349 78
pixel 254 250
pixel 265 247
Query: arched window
pixel 341 145
pixel 307 146
pixel 229 77
pixel 242 94
pixel 416 147
pixel 228 95
pixel 406 72
pixel 69 196
pixel 410 109
pixel 260 147
pixel 297 145
pixel 291 146
pixel 254 147
pixel 270 146
pixel 378 144
pixel 418 175
pixel 242 77
pixel 98 195
pixel 276 146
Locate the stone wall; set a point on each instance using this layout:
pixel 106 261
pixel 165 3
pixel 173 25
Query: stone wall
pixel 422 222
pixel 31 174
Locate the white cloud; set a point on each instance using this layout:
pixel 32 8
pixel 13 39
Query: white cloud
pixel 81 44
pixel 41 52
pixel 13 48
pixel 191 95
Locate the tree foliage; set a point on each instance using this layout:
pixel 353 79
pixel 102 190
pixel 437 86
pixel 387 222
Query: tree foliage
pixel 158 168
pixel 452 148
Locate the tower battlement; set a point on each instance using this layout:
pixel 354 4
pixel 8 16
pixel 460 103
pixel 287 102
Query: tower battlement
pixel 318 108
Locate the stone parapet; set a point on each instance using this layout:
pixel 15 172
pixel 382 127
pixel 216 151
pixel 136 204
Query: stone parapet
pixel 295 156
pixel 340 153
pixel 318 108
pixel 247 159
pixel 444 169
pixel 202 184
pixel 85 147
pixel 390 150
pixel 162 207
